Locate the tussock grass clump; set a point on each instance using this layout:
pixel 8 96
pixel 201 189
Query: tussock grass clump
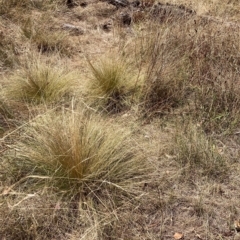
pixel 111 84
pixel 165 72
pixel 40 82
pixel 71 148
pixel 197 155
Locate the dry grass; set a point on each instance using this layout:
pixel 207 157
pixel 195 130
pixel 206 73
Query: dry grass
pixel 11 7
pixel 111 84
pixel 43 35
pixel 82 168
pixel 8 51
pixel 100 10
pixel 70 173
pixel 197 155
pixel 197 64
pixel 40 82
pixel 6 114
pixel 164 69
pixel 81 149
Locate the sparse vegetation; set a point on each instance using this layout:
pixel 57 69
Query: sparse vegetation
pixel 198 155
pixel 45 38
pixel 165 166
pixel 8 52
pixel 9 7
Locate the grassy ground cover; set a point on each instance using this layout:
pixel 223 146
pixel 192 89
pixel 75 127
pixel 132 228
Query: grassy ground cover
pixel 119 122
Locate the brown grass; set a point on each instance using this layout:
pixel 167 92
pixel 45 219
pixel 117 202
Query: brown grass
pixel 192 63
pixel 46 38
pixel 112 85
pixel 168 162
pixel 40 82
pixel 8 52
pixel 196 154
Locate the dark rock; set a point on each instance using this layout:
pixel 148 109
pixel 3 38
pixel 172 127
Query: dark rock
pixel 71 3
pixel 136 3
pixel 126 19
pixel 83 4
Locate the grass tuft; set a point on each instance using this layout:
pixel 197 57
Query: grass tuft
pixel 111 85
pixel 70 148
pixel 165 70
pixel 40 82
pixel 164 89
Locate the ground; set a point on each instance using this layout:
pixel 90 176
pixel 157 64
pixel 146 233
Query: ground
pixel 173 70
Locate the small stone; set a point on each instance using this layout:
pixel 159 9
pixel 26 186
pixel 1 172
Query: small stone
pixel 83 4
pixel 71 3
pixel 74 30
pixel 126 19
pixel 136 3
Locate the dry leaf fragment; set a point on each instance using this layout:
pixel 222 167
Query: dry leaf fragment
pixel 178 236
pixel 237 225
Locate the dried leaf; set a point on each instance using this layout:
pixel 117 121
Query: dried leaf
pixel 178 236
pixel 237 225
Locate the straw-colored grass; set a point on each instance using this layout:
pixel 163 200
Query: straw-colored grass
pixel 8 52
pixel 70 147
pixel 68 173
pixel 197 155
pixel 40 82
pixel 42 35
pixel 111 84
